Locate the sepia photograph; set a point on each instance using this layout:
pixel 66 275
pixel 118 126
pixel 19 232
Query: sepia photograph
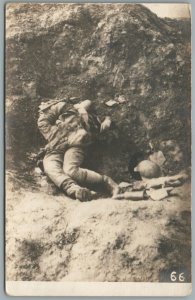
pixel 98 149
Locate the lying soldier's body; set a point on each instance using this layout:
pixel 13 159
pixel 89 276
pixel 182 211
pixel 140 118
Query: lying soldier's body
pixel 69 133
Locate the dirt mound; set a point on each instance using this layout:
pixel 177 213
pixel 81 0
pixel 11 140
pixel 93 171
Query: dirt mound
pixel 56 238
pixel 101 52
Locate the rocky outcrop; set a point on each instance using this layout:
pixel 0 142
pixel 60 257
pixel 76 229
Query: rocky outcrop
pixel 114 51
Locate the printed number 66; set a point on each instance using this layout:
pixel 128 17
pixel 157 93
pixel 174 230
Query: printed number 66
pixel 174 276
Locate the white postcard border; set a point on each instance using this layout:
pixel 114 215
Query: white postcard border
pixel 50 288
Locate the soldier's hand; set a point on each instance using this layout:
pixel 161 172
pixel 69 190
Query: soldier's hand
pixel 105 124
pixel 86 104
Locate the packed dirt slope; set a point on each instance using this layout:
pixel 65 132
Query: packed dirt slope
pixel 52 237
pixel 101 52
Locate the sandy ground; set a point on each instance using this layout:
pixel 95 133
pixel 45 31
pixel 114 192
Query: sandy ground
pixel 52 237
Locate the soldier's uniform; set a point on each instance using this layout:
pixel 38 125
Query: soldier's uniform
pixel 68 133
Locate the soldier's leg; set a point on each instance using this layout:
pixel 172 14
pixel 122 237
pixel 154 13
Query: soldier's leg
pixel 53 167
pixel 73 160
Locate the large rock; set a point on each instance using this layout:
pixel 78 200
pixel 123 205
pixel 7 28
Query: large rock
pixel 101 52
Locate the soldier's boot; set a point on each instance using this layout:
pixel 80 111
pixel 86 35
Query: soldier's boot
pixel 84 194
pixel 75 191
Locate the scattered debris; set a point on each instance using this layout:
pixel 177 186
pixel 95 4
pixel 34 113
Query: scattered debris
pixel 111 103
pixel 121 99
pixel 125 184
pixel 125 187
pixel 158 158
pixel 151 146
pixel 165 181
pixel 156 189
pixel 159 194
pixel 174 154
pixel 74 98
pixel 139 195
pixel 138 186
pixel 44 181
pixel 173 183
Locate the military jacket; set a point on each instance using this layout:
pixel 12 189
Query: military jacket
pixel 63 128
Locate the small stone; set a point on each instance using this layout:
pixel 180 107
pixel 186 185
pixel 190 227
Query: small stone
pixel 173 183
pixel 125 187
pixel 121 99
pixel 138 186
pixel 73 98
pixel 158 194
pixel 44 182
pixel 38 171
